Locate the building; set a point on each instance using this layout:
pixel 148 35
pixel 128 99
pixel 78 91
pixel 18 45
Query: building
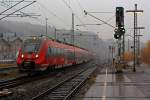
pixel 9 47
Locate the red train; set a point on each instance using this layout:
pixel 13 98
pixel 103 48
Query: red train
pixel 42 54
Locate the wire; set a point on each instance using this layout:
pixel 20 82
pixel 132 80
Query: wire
pixel 111 18
pixel 43 11
pixel 17 10
pixel 77 17
pixel 86 13
pixel 80 6
pixel 11 7
pixel 68 6
pixel 6 5
pixel 53 14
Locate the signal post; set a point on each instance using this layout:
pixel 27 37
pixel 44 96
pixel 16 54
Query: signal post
pixel 119 32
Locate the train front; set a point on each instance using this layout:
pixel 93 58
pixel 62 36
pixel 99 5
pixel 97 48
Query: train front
pixel 28 56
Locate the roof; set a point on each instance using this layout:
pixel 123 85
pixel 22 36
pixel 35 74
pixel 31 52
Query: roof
pixel 5 41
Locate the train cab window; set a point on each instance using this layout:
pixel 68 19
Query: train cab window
pixel 31 47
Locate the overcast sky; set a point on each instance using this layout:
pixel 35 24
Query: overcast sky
pixel 59 12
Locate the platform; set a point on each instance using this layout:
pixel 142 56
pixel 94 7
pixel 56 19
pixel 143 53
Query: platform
pixel 125 86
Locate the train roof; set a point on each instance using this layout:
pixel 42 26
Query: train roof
pixel 37 39
pixel 64 45
pixel 69 44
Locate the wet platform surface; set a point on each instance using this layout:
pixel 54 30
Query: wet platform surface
pixel 111 86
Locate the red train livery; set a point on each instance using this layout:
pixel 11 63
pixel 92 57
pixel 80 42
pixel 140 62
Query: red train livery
pixel 41 54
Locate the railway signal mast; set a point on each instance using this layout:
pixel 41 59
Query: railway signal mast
pixel 119 32
pixel 136 36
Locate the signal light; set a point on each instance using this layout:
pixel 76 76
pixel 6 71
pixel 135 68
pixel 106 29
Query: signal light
pixel 117 36
pixel 122 30
pixel 119 30
pixel 120 16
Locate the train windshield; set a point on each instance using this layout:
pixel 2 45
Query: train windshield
pixel 31 47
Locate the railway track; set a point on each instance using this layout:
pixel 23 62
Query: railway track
pixel 66 89
pixel 8 69
pixel 25 79
pixel 13 82
pixel 22 79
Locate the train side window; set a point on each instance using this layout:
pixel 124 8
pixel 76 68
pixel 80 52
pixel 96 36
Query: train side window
pixel 58 52
pixel 53 51
pixel 62 51
pixel 47 53
pixel 50 51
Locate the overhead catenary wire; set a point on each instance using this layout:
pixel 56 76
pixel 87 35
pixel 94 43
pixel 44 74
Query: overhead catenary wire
pixel 97 24
pixel 86 13
pixel 72 11
pixel 11 7
pixel 80 6
pixel 53 14
pixel 43 11
pixel 68 6
pixel 7 5
pixel 17 10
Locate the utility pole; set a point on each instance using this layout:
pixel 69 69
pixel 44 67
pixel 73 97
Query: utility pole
pixel 46 26
pixel 72 39
pixel 72 36
pixel 138 45
pixel 128 45
pixel 55 34
pixel 135 35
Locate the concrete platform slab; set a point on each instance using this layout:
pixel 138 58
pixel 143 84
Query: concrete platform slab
pixel 114 87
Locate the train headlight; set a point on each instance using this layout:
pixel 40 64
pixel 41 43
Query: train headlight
pixel 22 56
pixel 36 56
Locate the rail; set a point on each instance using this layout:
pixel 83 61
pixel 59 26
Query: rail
pixel 67 88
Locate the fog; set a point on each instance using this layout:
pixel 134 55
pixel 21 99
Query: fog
pixel 59 13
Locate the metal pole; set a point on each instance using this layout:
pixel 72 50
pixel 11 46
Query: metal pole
pixel 123 47
pixel 55 34
pixel 134 70
pixel 136 37
pixel 128 45
pixel 138 50
pixel 112 54
pixel 73 35
pixel 46 26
